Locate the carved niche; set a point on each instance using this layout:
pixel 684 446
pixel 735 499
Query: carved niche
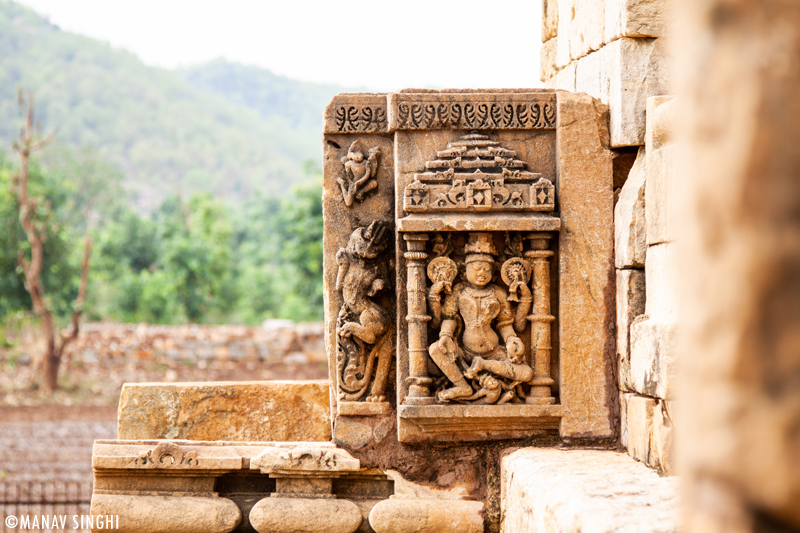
pixel 456 304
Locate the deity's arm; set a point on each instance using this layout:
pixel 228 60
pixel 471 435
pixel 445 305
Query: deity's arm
pixel 373 162
pixel 505 319
pixel 524 306
pixel 448 328
pixel 435 307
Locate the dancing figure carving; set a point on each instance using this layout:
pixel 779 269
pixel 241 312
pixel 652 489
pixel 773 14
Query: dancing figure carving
pixel 363 332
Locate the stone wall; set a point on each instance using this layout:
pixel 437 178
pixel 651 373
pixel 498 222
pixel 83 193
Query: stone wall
pixel 617 51
pixel 277 340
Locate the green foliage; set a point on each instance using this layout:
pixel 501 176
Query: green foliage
pixel 61 268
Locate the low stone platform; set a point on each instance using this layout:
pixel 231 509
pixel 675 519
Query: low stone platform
pixel 230 411
pixel 582 491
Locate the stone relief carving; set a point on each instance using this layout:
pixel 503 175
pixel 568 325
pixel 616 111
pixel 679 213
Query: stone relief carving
pixel 304 459
pixel 359 173
pixel 475 114
pixel 360 119
pixel 475 173
pixel 363 329
pixel 166 455
pixel 478 329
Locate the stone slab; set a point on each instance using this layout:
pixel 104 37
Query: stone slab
pixel 649 431
pixel 661 271
pixel 653 358
pixel 230 411
pixel 636 18
pixel 582 491
pixel 547 60
pixel 661 185
pixel 623 74
pixel 630 222
pixel 630 304
pixel 587 295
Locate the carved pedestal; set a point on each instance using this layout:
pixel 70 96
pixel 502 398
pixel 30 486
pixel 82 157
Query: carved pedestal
pixel 499 207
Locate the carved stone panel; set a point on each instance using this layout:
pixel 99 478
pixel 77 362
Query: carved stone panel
pixel 454 298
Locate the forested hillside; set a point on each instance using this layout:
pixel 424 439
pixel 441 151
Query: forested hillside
pixel 220 128
pixel 200 187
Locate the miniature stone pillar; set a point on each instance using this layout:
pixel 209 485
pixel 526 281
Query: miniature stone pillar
pixel 417 319
pixel 540 319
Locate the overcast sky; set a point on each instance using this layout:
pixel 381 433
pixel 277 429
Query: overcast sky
pixel 377 44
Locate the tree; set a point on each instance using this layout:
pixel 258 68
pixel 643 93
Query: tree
pixel 33 216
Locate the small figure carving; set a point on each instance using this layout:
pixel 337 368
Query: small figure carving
pixel 165 455
pixel 474 305
pixel 358 178
pixel 362 328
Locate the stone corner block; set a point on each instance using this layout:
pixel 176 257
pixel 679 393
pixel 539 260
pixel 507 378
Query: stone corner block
pixel 635 18
pixel 630 304
pixel 649 431
pixel 547 490
pixel 623 74
pixel 661 185
pixel 227 411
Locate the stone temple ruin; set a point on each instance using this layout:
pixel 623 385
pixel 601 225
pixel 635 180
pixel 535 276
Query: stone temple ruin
pixel 501 306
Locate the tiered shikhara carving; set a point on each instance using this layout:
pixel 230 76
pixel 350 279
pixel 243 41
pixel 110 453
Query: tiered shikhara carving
pixel 476 174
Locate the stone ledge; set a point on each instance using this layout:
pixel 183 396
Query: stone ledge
pixel 547 490
pixel 229 411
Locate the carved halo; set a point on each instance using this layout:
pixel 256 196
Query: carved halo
pixel 505 271
pixel 443 265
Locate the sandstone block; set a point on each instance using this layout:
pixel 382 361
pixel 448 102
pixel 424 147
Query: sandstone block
pixel 547 60
pixel 168 514
pixel 623 418
pixel 641 434
pixel 635 18
pixel 663 437
pixel 630 304
pixel 661 187
pixel 585 25
pixel 662 288
pixel 630 226
pixel 232 411
pixel 564 79
pixel 305 515
pixel 624 74
pixel 549 19
pixel 545 490
pixel 652 358
pixel 740 277
pixel 427 516
pixel 587 390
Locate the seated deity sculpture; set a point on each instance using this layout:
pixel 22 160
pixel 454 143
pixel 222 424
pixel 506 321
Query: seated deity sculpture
pixel 478 335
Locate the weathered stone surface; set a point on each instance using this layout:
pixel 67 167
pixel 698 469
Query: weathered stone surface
pixel 303 459
pixel 588 388
pixel 663 437
pixel 624 159
pixel 636 18
pixel 641 433
pixel 740 271
pixel 661 186
pixel 623 74
pixel 630 226
pixel 662 287
pixel 585 25
pixel 653 357
pixel 547 60
pixel 572 491
pixel 630 304
pixel 167 514
pixel 564 79
pixel 623 419
pixel 253 411
pixel 305 515
pixel 427 516
pixel 549 19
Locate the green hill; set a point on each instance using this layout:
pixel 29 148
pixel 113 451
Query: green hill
pixel 221 127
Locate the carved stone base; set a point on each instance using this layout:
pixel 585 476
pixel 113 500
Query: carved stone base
pixel 452 423
pixel 364 408
pixel 530 400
